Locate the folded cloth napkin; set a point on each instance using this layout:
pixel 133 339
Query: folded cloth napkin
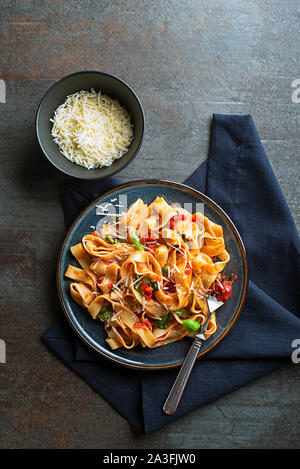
pixel 238 176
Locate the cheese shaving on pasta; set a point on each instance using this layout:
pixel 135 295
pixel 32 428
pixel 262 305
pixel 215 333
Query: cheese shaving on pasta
pixel 92 129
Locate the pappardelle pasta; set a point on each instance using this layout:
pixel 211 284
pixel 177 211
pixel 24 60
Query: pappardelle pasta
pixel 147 275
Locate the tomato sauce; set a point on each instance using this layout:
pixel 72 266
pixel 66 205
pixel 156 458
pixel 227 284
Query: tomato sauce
pixel 223 288
pixel 150 242
pixel 188 268
pixel 175 219
pixel 147 290
pixel 143 323
pixel 169 287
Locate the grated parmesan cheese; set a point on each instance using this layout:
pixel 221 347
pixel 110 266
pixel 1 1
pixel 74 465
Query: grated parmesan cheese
pixel 92 129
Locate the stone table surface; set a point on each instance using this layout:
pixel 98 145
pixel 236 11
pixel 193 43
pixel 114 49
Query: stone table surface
pixel 186 60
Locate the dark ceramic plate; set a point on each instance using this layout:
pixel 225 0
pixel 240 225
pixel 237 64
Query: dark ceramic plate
pixel 56 95
pixel 173 354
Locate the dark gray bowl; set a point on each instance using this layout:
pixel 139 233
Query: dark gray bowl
pixel 56 95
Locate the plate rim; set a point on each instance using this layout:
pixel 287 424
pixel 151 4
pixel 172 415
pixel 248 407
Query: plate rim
pixel 212 203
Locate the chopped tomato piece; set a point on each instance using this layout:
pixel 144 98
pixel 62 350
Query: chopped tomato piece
pixel 175 219
pixel 99 281
pixel 107 262
pixel 188 268
pixel 138 325
pixel 95 233
pixel 143 323
pixel 169 286
pixel 147 324
pixel 147 290
pixel 222 289
pixel 149 241
pixel 195 219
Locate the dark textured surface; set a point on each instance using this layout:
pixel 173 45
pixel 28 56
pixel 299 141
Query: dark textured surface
pixel 185 60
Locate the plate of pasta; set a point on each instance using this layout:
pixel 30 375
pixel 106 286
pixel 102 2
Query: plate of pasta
pixel 137 266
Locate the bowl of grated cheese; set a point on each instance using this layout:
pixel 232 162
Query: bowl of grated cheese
pixel 90 124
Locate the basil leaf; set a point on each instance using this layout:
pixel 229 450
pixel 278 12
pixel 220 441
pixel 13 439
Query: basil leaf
pixel 147 280
pixel 152 284
pixel 105 312
pixel 166 271
pixel 162 323
pixel 137 285
pixel 182 312
pixel 110 239
pixel 136 242
pixel 191 325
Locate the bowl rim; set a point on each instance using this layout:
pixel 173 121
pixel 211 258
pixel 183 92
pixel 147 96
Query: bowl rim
pixel 37 117
pixel 109 356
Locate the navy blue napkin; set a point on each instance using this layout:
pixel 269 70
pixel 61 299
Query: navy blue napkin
pixel 238 176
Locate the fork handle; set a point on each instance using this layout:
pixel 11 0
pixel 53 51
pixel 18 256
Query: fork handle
pixel 175 394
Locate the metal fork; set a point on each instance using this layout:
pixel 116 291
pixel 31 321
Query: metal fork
pixel 178 387
pixel 175 394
